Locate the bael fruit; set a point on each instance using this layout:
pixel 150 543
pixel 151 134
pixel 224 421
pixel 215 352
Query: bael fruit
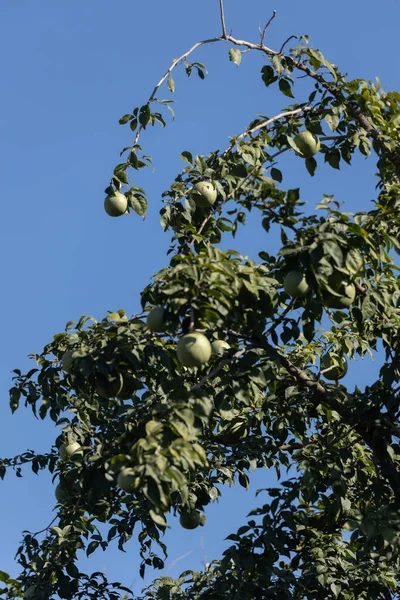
pixel 336 371
pixel 73 450
pixel 115 204
pixel 192 519
pixel 193 350
pixel 61 493
pixel 68 359
pixel 295 284
pixel 345 300
pixel 204 194
pixel 109 387
pixel 219 347
pixel 307 143
pixel 127 480
pixel 155 319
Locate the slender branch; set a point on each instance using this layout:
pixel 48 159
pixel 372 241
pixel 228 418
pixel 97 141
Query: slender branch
pixel 264 31
pixel 169 71
pixel 296 37
pixel 221 10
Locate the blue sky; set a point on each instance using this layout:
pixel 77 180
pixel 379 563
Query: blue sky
pixel 69 71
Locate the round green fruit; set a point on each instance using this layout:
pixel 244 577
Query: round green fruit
pixel 68 359
pixel 219 347
pixel 127 480
pixel 61 493
pixel 73 450
pixel 345 300
pixel 116 204
pixel 335 371
pixel 295 284
pixel 109 387
pixel 155 319
pixel 204 194
pixel 307 143
pixel 194 350
pixel 192 519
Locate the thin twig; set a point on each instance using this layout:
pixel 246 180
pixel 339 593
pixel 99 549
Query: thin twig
pixel 264 31
pixel 286 41
pixel 169 71
pixel 221 10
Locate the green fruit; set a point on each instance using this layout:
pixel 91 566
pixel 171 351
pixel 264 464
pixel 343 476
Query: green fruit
pixel 127 480
pixel 204 194
pixel 116 204
pixel 193 350
pixel 68 359
pixel 129 388
pixel 155 319
pixel 219 347
pixel 192 519
pixel 295 284
pixel 61 493
pixel 32 592
pixel 109 387
pixel 348 293
pixel 307 143
pixel 336 371
pixel 73 450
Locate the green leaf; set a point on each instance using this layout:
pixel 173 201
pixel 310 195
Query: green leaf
pixel 276 175
pixel 138 203
pixel 311 165
pixel 285 88
pixel 268 75
pixel 171 84
pixel 235 56
pixel 144 115
pixel 125 119
pixel 187 157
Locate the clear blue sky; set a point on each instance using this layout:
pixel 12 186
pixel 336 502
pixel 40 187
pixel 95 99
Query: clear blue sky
pixel 69 71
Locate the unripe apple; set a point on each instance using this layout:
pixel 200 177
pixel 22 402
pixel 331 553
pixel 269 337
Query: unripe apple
pixel 73 450
pixel 193 350
pixel 61 493
pixel 335 372
pixel 192 519
pixel 219 347
pixel 68 359
pixel 127 480
pixel 295 284
pixel 307 143
pixel 204 194
pixel 348 293
pixel 109 387
pixel 155 319
pixel 115 204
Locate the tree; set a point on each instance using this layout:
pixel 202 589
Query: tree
pixel 144 436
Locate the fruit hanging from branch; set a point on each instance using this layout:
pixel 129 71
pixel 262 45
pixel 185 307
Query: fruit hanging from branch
pixel 204 194
pixel 334 368
pixel 155 319
pixel 295 284
pixel 219 347
pixel 194 350
pixel 307 143
pixel 115 204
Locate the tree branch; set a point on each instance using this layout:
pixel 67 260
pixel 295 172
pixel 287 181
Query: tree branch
pixel 264 31
pixel 222 14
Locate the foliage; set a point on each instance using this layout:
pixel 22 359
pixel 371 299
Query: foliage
pixel 178 434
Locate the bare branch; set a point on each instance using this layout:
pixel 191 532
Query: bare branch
pixel 295 37
pixel 221 10
pixel 264 31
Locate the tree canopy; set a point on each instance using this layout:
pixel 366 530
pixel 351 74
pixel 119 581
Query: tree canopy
pixel 235 365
